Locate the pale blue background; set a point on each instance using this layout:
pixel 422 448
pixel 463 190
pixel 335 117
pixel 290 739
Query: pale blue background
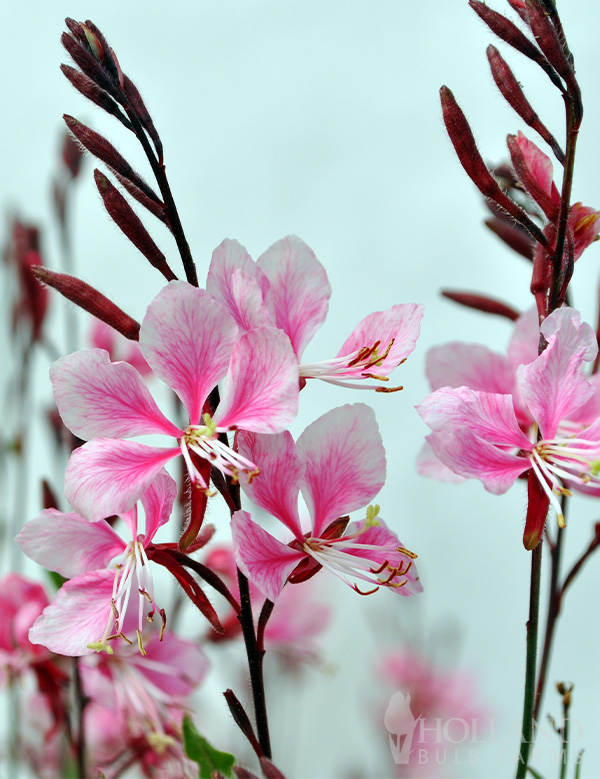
pixel 323 119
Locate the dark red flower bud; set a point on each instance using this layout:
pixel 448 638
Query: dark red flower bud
pixel 157 208
pixel 510 33
pixel 482 303
pixel 49 499
pixel 548 40
pixel 513 235
pixel 93 92
pixel 139 107
pixel 72 156
pixel 97 145
pixel 130 224
pixel 520 8
pixel 92 301
pixel 513 94
pixel 464 144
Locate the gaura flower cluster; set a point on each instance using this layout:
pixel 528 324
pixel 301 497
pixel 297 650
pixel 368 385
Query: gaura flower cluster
pixel 547 426
pixel 232 354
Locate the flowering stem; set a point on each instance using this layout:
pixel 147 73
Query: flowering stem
pixel 530 664
pixel 81 702
pixel 158 169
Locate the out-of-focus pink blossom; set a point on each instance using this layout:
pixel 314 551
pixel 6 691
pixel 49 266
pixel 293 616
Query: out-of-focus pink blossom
pixel 119 348
pixel 339 465
pixel 23 253
pixel 191 343
pixel 287 287
pixel 299 617
pixel 429 695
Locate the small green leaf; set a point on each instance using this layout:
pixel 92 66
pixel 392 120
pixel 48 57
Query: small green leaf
pixel 56 579
pixel 200 751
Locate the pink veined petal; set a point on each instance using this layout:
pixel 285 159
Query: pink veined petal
pixel 575 336
pixel 187 339
pixel 99 398
pixel 77 616
pixel 236 281
pixel 490 416
pixel 554 386
pixel 589 412
pixel 430 465
pixel 158 503
pixel 523 347
pixel 385 545
pixel 106 476
pixel 266 561
pixel 466 454
pixel 299 291
pixel 69 544
pixel 345 463
pixel 261 390
pixel 539 165
pixel 469 365
pixel 174 666
pixel 277 487
pixel 400 326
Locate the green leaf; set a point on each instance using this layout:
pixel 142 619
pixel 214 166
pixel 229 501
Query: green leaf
pixel 200 751
pixel 56 579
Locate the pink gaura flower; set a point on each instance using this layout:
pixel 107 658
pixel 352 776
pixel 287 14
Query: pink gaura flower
pixel 137 703
pixel 104 571
pixel 421 695
pixel 287 287
pixel 477 434
pixel 191 343
pixel 338 464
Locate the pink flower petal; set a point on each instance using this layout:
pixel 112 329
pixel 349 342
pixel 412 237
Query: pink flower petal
pixel 345 463
pixel 525 340
pixel 77 616
pixel 554 385
pixel 236 281
pixel 468 455
pixel 158 503
pixel 540 166
pixel 106 477
pixel 264 559
pixel 69 544
pixel 174 666
pixel 489 415
pixel 430 465
pixel 261 390
pixel 277 487
pixel 300 289
pixel 469 365
pixel 399 326
pixel 187 338
pixel 98 398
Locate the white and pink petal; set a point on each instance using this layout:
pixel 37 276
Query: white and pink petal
pixel 99 398
pixel 266 561
pixel 187 339
pixel 69 544
pixel 345 463
pixel 260 392
pixel 107 476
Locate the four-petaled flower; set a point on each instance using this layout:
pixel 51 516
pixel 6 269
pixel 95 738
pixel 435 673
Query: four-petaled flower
pixel 191 343
pixel 339 465
pixel 104 572
pixel 477 434
pixel 287 287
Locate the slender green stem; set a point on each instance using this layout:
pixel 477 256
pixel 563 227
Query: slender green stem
pixel 530 665
pixel 554 603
